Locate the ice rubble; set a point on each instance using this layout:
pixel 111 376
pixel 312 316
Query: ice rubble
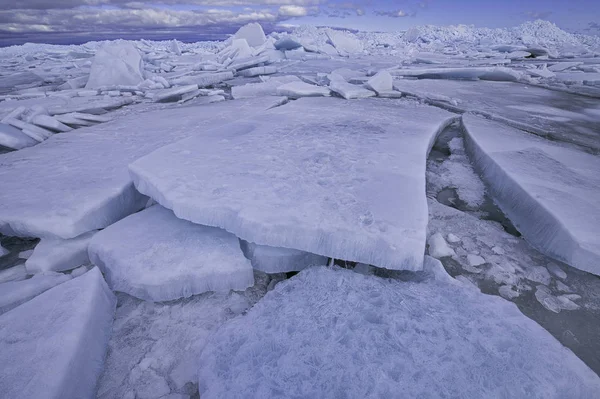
pixel 15 273
pixel 167 258
pixel 14 293
pixel 279 260
pixel 14 138
pixel 54 345
pixel 293 159
pixel 93 169
pixel 117 63
pixel 297 90
pixel 548 191
pixel 55 254
pixel 308 333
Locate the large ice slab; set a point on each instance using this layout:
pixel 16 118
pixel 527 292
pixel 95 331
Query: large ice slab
pixel 557 115
pixel 468 73
pixel 166 258
pixel 315 175
pixel 14 138
pixel 551 193
pixel 279 260
pixel 88 186
pixel 56 254
pixel 117 63
pixel 253 33
pixel 333 333
pixel 54 345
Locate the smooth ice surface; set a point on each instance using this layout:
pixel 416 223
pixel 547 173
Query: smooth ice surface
pixel 279 260
pixel 557 115
pixel 167 258
pixel 54 345
pixel 14 293
pixel 335 333
pixel 339 179
pixel 56 254
pixel 117 63
pixel 89 187
pixel 14 138
pixel 253 33
pixel 548 191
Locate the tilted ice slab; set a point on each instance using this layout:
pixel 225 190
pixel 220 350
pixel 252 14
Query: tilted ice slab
pixel 88 186
pixel 551 193
pixel 343 180
pixel 166 258
pixel 558 115
pixel 469 73
pixel 14 293
pixel 54 345
pixel 279 260
pixel 333 333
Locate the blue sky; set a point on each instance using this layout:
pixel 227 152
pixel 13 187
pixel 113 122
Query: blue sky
pixel 82 20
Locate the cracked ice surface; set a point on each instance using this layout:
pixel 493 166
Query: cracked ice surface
pixel 432 339
pixel 548 191
pixel 314 175
pixel 166 258
pixel 54 345
pixel 88 186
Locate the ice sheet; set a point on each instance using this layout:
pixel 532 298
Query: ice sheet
pixel 89 187
pixel 312 175
pixel 549 192
pixel 166 258
pixel 334 333
pixel 54 345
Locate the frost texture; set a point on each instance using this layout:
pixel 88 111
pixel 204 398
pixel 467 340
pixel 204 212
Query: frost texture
pixel 54 345
pixel 334 333
pixel 166 258
pixel 312 175
pixel 548 191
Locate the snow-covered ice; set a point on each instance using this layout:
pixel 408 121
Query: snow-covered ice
pixel 54 345
pixel 279 260
pixel 297 177
pixel 56 254
pixel 89 187
pixel 548 191
pixel 117 63
pixel 333 333
pixel 167 258
pixel 14 293
pixel 438 247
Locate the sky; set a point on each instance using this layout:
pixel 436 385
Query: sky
pixel 77 21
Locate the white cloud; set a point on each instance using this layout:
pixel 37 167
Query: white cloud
pixel 293 11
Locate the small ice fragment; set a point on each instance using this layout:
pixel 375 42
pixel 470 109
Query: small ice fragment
pixel 539 274
pixel 508 292
pixel 382 81
pixel 498 250
pixel 453 238
pixel 438 248
pixel 57 254
pixel 25 254
pixel 475 260
pixel 556 270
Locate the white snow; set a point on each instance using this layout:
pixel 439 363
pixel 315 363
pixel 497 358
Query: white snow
pixel 166 258
pixel 279 260
pixel 438 248
pixel 93 188
pixel 547 190
pixel 117 63
pixel 14 293
pixel 245 178
pixel 54 345
pixel 253 33
pixel 330 332
pixel 301 89
pixel 55 254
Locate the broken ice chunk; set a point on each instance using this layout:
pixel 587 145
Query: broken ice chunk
pixel 380 82
pixel 14 138
pixel 301 89
pixel 438 248
pixel 253 34
pixel 14 293
pixel 50 123
pixel 256 71
pixel 117 63
pixel 348 90
pixel 15 273
pixel 167 258
pixel 55 254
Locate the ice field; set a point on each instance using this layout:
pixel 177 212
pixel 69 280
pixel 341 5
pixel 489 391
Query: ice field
pixel 316 213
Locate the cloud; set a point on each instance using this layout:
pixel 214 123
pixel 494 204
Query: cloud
pixel 394 14
pixel 66 4
pixel 293 11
